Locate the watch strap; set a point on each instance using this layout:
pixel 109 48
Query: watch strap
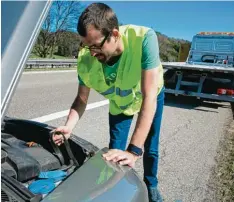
pixel 134 150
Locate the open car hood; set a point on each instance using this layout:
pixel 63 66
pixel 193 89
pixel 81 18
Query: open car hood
pixel 97 181
pixel 21 23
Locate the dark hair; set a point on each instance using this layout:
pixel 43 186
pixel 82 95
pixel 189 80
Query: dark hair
pixel 101 16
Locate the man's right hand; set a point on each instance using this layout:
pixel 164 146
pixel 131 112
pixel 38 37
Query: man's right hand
pixel 76 111
pixel 57 138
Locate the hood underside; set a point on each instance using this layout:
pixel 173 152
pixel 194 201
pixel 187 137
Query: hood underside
pixel 21 23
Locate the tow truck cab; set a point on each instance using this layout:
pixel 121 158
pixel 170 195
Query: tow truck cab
pixel 214 48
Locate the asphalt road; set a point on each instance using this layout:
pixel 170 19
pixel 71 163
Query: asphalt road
pixel 190 133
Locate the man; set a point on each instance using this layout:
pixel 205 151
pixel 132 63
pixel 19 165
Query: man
pixel 121 63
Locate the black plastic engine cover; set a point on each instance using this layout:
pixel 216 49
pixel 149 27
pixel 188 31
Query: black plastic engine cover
pixel 28 162
pixel 25 166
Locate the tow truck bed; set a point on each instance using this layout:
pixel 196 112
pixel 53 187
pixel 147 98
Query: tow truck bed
pixel 210 68
pixel 199 81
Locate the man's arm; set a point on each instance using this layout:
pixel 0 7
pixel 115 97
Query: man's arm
pixel 75 113
pixel 149 89
pixel 78 106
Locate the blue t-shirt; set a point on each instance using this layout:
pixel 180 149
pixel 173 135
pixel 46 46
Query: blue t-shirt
pixel 150 57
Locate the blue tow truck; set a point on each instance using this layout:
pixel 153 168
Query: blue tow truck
pixel 208 72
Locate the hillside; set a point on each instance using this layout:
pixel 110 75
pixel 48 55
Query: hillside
pixel 67 45
pixel 169 47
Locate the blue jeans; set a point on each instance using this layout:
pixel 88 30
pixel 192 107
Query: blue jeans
pixel 119 129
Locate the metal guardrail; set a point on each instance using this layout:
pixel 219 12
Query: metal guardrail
pixel 35 63
pixel 32 63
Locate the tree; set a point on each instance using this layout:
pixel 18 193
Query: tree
pixel 68 44
pixel 63 16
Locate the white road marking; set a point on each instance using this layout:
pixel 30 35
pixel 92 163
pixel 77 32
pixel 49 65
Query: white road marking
pixel 49 72
pixel 61 114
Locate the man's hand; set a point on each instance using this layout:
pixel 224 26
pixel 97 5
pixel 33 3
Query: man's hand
pixel 75 113
pixel 57 138
pixel 122 157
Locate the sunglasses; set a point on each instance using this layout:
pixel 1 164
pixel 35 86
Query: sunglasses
pixel 95 47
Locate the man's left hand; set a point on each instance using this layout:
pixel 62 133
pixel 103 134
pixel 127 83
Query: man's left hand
pixel 122 157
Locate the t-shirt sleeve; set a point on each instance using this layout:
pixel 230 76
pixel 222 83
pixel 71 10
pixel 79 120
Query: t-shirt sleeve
pixel 80 81
pixel 150 51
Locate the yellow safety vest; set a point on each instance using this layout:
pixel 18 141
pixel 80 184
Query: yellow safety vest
pixel 125 93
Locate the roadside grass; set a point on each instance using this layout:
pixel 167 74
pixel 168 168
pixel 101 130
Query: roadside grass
pixel 222 180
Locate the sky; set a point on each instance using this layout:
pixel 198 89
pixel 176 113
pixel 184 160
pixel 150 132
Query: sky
pixel 182 19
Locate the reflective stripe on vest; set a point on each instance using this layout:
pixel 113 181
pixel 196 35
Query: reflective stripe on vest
pixel 109 91
pixel 126 106
pixel 118 91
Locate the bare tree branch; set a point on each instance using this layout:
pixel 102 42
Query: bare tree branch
pixel 62 16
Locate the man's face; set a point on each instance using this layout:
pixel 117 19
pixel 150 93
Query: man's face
pixel 101 47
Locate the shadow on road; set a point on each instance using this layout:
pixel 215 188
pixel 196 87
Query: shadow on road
pixel 194 104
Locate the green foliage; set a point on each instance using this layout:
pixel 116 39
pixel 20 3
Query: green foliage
pixel 68 44
pixel 60 21
pixel 169 47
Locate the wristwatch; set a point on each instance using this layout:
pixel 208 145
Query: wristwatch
pixel 134 150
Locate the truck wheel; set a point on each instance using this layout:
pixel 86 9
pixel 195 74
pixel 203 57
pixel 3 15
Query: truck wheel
pixel 232 108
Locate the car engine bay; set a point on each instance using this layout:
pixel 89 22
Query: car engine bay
pixel 32 163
